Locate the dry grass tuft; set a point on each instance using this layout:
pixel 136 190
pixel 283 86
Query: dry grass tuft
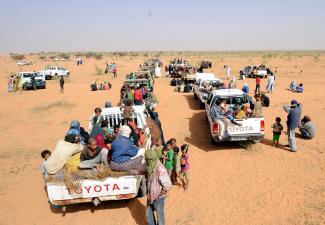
pixel 62 104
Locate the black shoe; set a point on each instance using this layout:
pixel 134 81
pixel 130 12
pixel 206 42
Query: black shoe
pixel 287 146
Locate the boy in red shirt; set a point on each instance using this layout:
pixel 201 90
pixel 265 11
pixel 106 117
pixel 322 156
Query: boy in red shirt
pixel 258 85
pixel 138 97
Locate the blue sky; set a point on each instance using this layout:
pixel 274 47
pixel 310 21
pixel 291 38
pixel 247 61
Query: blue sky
pixel 144 25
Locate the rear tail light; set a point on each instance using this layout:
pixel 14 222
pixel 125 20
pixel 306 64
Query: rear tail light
pixel 262 125
pixel 215 128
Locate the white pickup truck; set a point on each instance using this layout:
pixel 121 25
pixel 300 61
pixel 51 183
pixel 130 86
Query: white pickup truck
pixel 54 71
pixel 109 188
pixel 200 88
pixel 255 71
pixel 251 129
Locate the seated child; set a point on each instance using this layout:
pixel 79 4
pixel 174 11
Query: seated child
pixel 293 86
pixel 240 113
pixel 300 88
pixel 45 154
pixel 176 165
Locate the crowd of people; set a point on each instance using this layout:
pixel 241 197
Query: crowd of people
pixel 111 68
pixel 101 86
pixel 14 83
pixel 296 88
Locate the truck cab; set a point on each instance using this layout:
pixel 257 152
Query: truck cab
pixel 201 86
pixel 250 129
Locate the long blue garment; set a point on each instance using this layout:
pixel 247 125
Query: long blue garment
pixel 122 149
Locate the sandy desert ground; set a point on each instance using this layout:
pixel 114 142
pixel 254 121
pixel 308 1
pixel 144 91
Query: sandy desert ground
pixel 228 184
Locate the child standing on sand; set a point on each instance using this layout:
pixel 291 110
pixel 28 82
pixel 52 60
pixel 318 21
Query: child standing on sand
pixel 168 157
pixel 185 166
pixel 277 129
pixel 176 165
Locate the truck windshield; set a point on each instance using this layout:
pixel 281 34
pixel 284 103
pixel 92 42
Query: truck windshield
pixel 26 75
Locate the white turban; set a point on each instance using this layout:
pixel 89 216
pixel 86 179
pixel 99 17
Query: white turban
pixel 125 131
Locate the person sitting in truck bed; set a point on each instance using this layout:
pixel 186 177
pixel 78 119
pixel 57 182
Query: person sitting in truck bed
pixel 63 151
pixel 240 112
pixel 94 153
pixel 123 152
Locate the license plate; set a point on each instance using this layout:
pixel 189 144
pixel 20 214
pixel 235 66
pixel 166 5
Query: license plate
pixel 238 138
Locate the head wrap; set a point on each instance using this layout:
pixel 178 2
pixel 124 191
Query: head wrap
pixel 151 159
pixel 125 131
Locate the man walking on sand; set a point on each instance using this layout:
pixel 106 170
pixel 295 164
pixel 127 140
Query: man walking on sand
pixel 158 184
pixel 62 84
pixel 293 119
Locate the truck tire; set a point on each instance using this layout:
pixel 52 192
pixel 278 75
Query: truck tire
pixel 202 105
pixel 213 142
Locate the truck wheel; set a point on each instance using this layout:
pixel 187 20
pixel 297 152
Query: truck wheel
pixel 201 105
pixel 213 142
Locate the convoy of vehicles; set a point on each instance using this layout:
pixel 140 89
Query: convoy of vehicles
pixel 131 186
pixel 109 188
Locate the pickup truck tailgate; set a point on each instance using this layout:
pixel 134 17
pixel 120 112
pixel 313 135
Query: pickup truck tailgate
pixel 248 126
pixel 93 188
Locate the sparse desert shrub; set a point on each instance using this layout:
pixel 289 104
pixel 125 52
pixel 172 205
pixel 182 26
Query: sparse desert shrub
pixel 62 104
pixel 42 57
pixel 17 57
pixel 134 54
pixel 99 71
pixel 145 54
pixel 98 56
pixel 64 55
pixel 88 54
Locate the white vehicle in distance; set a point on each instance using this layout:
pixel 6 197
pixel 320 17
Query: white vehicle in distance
pixel 250 129
pixel 23 63
pixel 59 59
pixel 54 71
pixel 202 87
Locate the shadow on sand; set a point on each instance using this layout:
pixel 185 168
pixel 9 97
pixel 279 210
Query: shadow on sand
pixel 137 209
